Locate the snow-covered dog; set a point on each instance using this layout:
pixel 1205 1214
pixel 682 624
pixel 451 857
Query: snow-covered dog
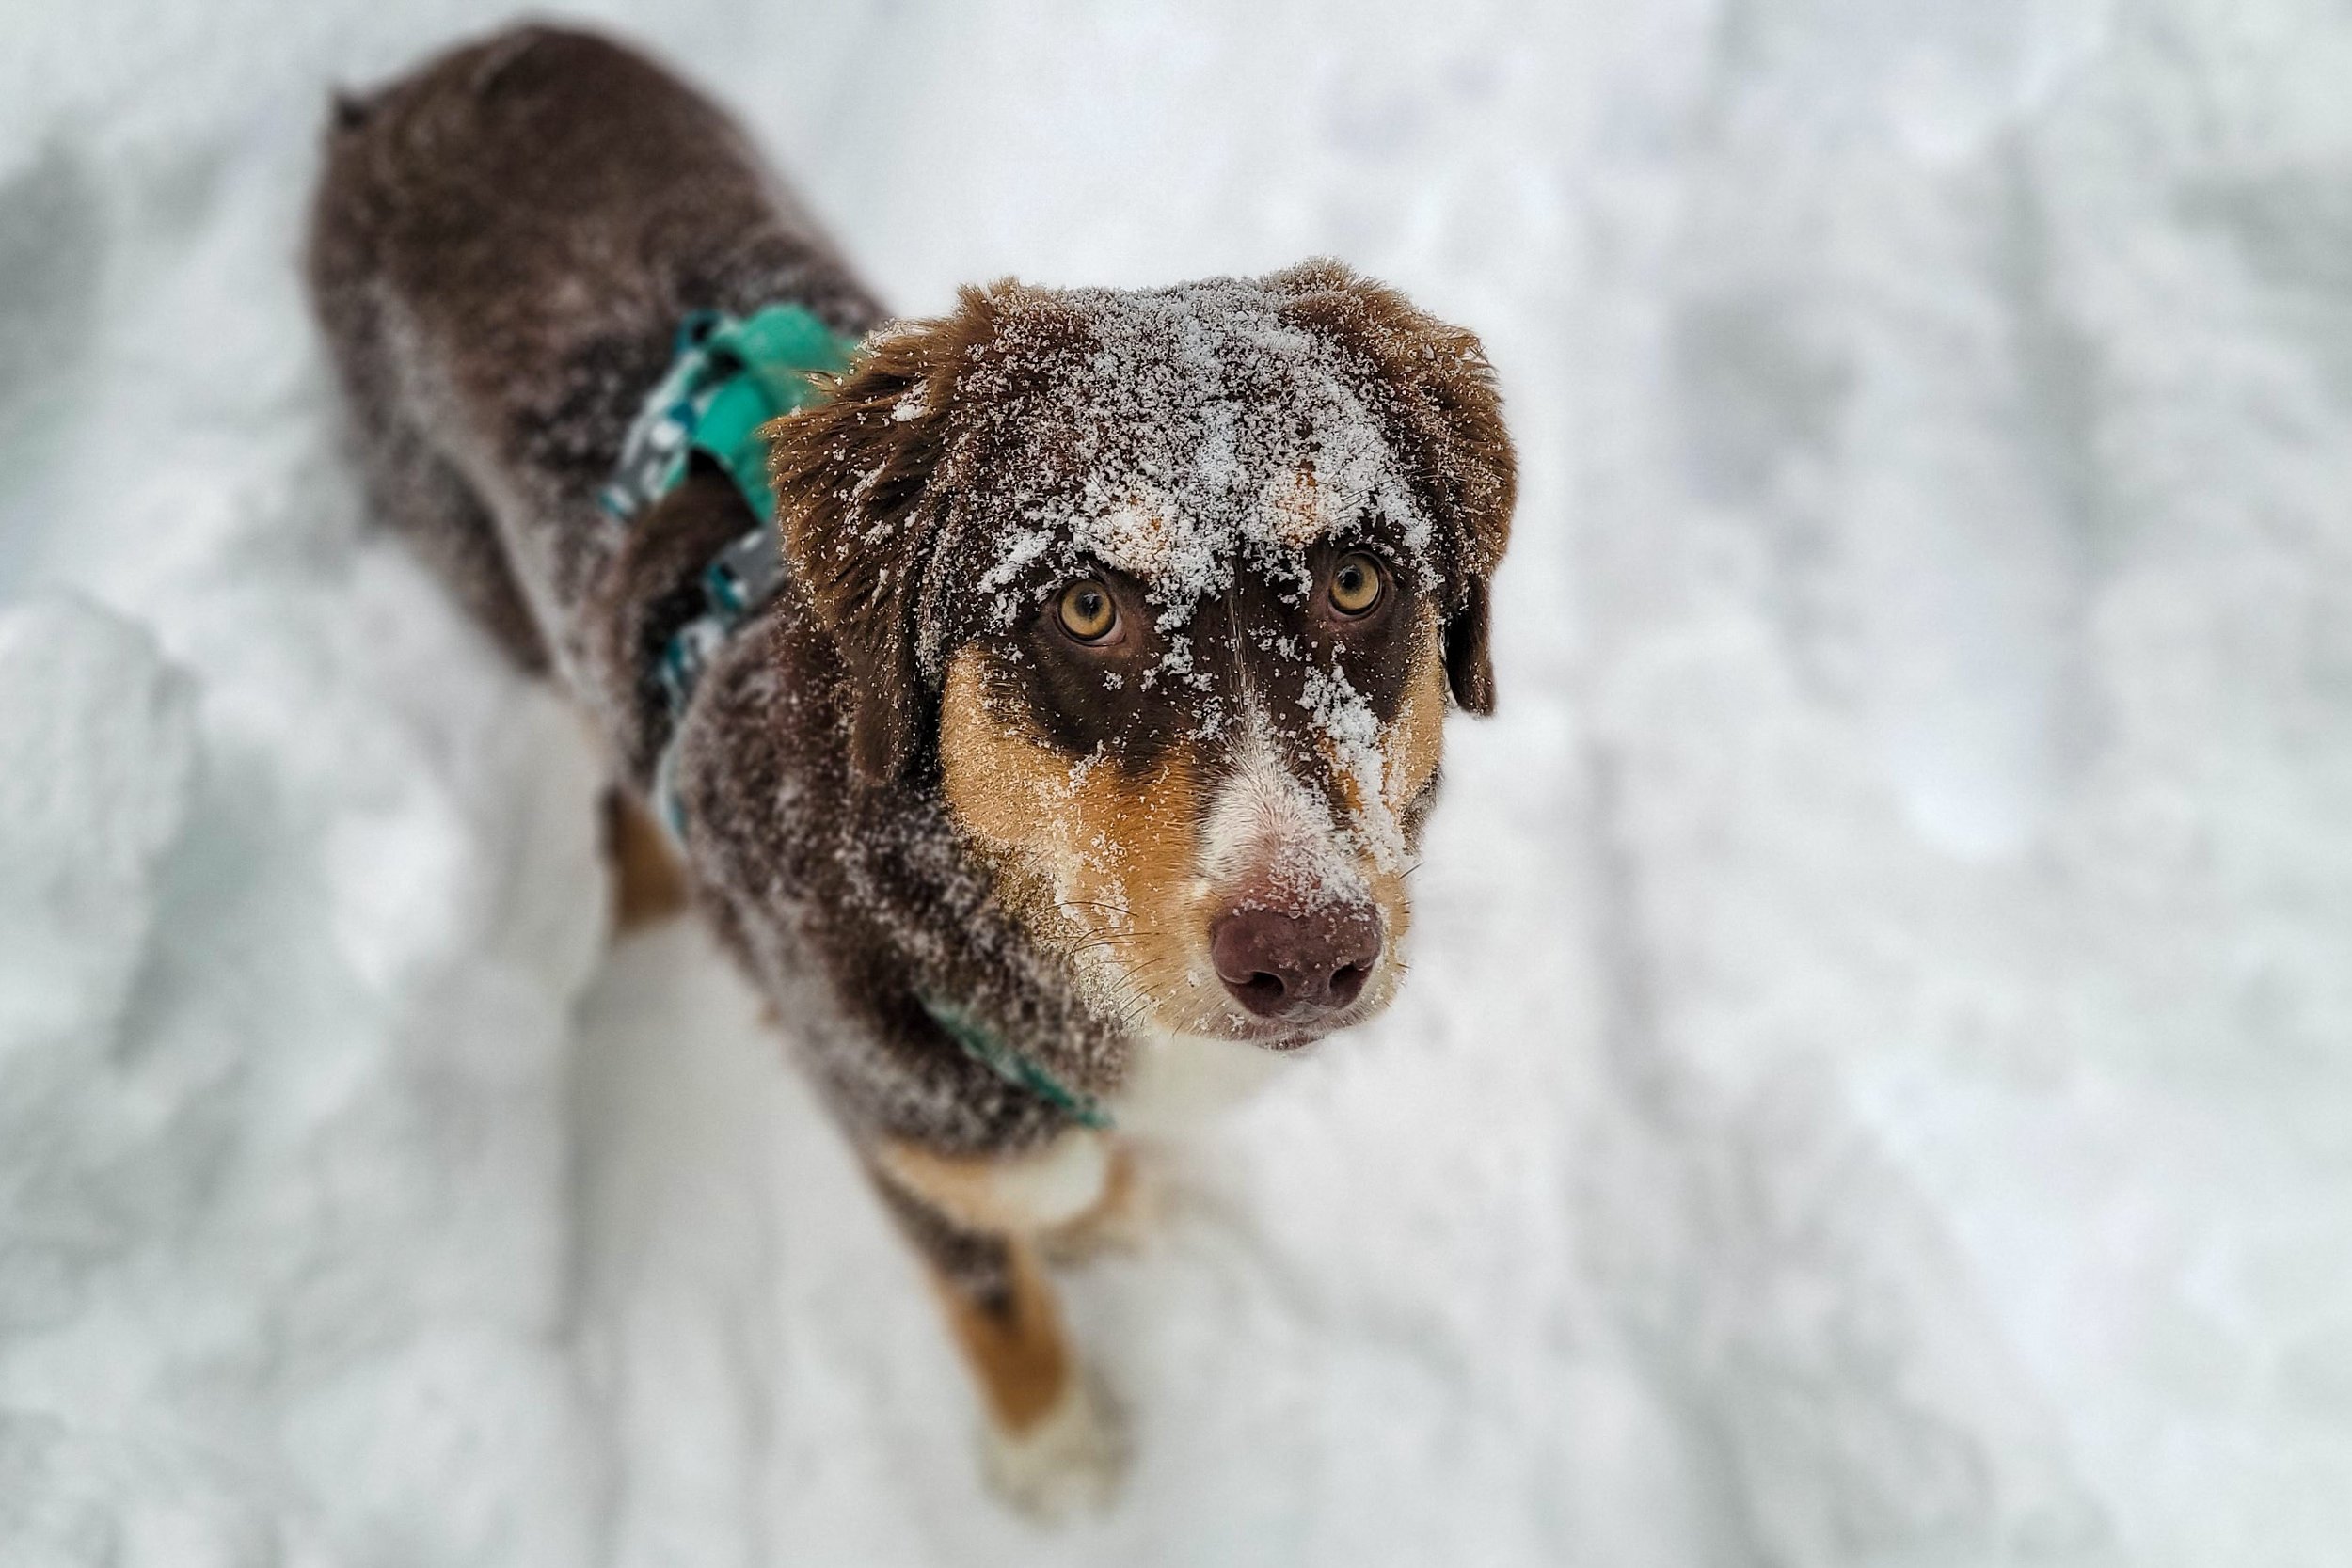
pixel 1065 764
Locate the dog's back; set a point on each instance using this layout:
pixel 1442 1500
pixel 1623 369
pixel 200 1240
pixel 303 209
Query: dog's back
pixel 503 246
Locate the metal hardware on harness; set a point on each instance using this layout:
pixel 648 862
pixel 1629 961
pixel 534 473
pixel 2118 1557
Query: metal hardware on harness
pixel 731 375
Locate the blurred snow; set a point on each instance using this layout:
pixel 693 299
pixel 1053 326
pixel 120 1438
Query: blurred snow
pixel 1877 1086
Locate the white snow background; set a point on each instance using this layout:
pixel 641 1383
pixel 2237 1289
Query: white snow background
pixel 1875 1087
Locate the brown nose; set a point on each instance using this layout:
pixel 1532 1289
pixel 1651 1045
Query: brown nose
pixel 1292 966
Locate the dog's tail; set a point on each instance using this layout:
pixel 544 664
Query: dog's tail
pixel 494 57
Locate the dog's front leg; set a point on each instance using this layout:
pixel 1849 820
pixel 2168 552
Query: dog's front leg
pixel 648 883
pixel 1037 1190
pixel 1053 1445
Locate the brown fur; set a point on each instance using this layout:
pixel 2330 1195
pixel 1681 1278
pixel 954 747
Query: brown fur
pixel 1445 398
pixel 1012 1340
pixel 898 788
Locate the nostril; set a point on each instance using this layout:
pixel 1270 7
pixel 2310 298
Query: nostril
pixel 1262 990
pixel 1347 983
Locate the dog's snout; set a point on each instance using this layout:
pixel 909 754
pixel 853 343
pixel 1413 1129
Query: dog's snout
pixel 1281 964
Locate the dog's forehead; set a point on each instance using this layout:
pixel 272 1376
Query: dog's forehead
pixel 1180 435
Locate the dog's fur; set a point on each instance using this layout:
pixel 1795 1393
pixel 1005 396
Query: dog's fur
pixel 904 781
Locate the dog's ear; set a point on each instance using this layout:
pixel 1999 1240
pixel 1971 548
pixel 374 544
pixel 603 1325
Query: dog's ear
pixel 856 479
pixel 1447 416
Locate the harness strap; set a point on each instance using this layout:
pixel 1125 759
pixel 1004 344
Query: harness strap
pixel 1023 1071
pixel 731 375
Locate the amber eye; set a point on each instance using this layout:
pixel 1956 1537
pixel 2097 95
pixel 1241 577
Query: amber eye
pixel 1087 611
pixel 1355 583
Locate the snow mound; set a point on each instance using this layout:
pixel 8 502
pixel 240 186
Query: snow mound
pixel 284 1196
pixel 101 741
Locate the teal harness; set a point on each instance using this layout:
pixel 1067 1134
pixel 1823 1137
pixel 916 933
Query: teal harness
pixel 991 1052
pixel 730 376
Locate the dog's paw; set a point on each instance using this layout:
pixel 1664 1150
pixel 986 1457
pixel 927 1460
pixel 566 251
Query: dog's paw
pixel 1069 1461
pixel 1134 1196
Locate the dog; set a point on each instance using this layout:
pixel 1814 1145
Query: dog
pixel 1066 763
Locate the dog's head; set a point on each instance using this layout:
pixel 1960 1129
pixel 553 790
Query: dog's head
pixel 1164 591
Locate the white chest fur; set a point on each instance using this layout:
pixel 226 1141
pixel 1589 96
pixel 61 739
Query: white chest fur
pixel 1176 1080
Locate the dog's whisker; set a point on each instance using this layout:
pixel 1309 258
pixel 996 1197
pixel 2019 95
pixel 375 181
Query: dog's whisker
pixel 1095 904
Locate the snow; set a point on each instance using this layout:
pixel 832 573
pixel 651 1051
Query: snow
pixel 1210 431
pixel 1873 1087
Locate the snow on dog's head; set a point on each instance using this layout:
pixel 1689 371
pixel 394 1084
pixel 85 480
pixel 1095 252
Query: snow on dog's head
pixel 1162 591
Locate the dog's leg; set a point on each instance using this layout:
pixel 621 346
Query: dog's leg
pixel 1079 1196
pixel 1056 1184
pixel 417 493
pixel 1053 1446
pixel 648 884
pixel 1120 1220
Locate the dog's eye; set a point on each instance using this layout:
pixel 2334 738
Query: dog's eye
pixel 1356 584
pixel 1087 611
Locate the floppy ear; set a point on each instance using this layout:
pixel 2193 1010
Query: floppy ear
pixel 856 504
pixel 1447 416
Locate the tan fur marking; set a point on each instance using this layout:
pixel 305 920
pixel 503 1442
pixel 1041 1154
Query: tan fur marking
pixel 1053 1185
pixel 1136 538
pixel 1014 1344
pixel 648 883
pixel 1411 744
pixel 1095 862
pixel 959 1188
pixel 1409 751
pixel 1301 513
pixel 1414 740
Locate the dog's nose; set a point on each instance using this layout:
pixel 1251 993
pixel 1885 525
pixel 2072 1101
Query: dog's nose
pixel 1296 966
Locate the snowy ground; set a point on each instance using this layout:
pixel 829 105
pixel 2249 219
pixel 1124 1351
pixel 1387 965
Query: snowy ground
pixel 1888 968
